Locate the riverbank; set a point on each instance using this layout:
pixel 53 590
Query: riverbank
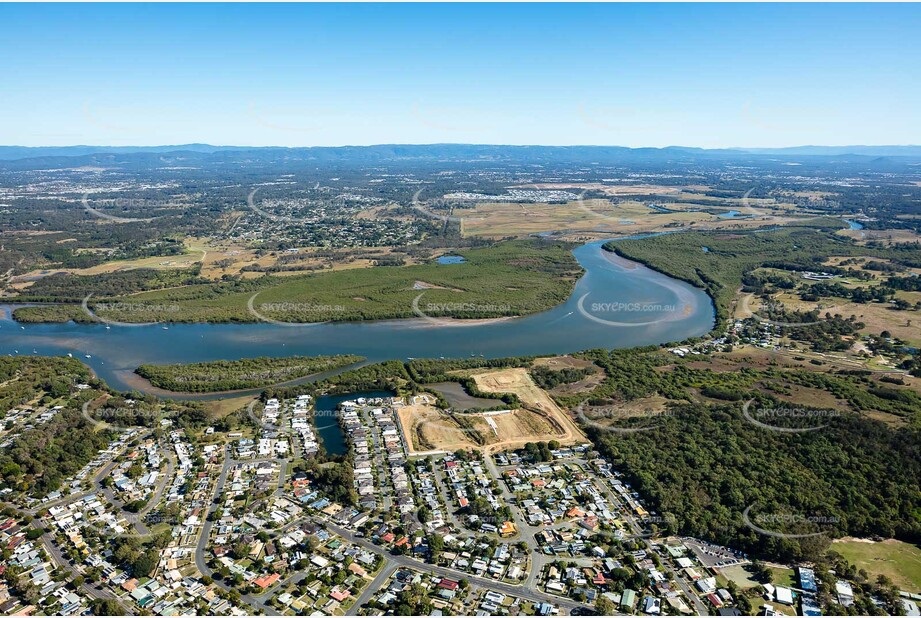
pixel 115 352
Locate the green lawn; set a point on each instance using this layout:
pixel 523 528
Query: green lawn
pixel 783 577
pixel 900 562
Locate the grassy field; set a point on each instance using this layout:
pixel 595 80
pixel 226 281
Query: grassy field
pixel 876 316
pixel 783 577
pixel 900 562
pixel 497 219
pixel 505 279
pixel 887 237
pixel 592 215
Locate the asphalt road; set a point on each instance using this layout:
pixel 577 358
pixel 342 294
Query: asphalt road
pixel 517 590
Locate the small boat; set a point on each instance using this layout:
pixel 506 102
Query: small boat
pixel 166 328
pixel 108 328
pixel 69 355
pixel 88 356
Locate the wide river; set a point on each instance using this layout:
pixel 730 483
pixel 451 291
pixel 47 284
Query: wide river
pixel 616 304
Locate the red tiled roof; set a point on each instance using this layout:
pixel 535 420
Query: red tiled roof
pixel 340 595
pixel 267 580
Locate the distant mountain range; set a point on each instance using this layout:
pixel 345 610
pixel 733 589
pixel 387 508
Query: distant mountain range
pixel 870 151
pixel 450 151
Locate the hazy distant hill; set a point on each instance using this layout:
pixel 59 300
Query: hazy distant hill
pixel 31 152
pixel 870 151
pixel 20 157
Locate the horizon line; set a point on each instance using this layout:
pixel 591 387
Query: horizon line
pixel 537 145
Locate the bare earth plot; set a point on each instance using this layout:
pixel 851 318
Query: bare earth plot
pixel 519 382
pixel 428 428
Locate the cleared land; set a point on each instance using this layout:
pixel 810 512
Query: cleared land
pixel 675 207
pixel 218 259
pixel 644 407
pixel 428 428
pixel 502 219
pixel 900 562
pixel 887 237
pixel 626 189
pixel 519 382
pixel 432 429
pixel 876 316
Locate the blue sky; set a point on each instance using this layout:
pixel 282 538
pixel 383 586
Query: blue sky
pixel 332 74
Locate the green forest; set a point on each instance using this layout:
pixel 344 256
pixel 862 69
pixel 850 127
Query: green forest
pixel 214 376
pixel 39 459
pixel 704 463
pixel 721 269
pixel 505 279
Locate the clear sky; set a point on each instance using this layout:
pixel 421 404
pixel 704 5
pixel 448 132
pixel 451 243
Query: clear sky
pixel 304 75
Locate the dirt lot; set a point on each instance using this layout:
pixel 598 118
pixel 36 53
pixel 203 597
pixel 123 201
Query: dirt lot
pixel 563 362
pixel 519 382
pixel 429 428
